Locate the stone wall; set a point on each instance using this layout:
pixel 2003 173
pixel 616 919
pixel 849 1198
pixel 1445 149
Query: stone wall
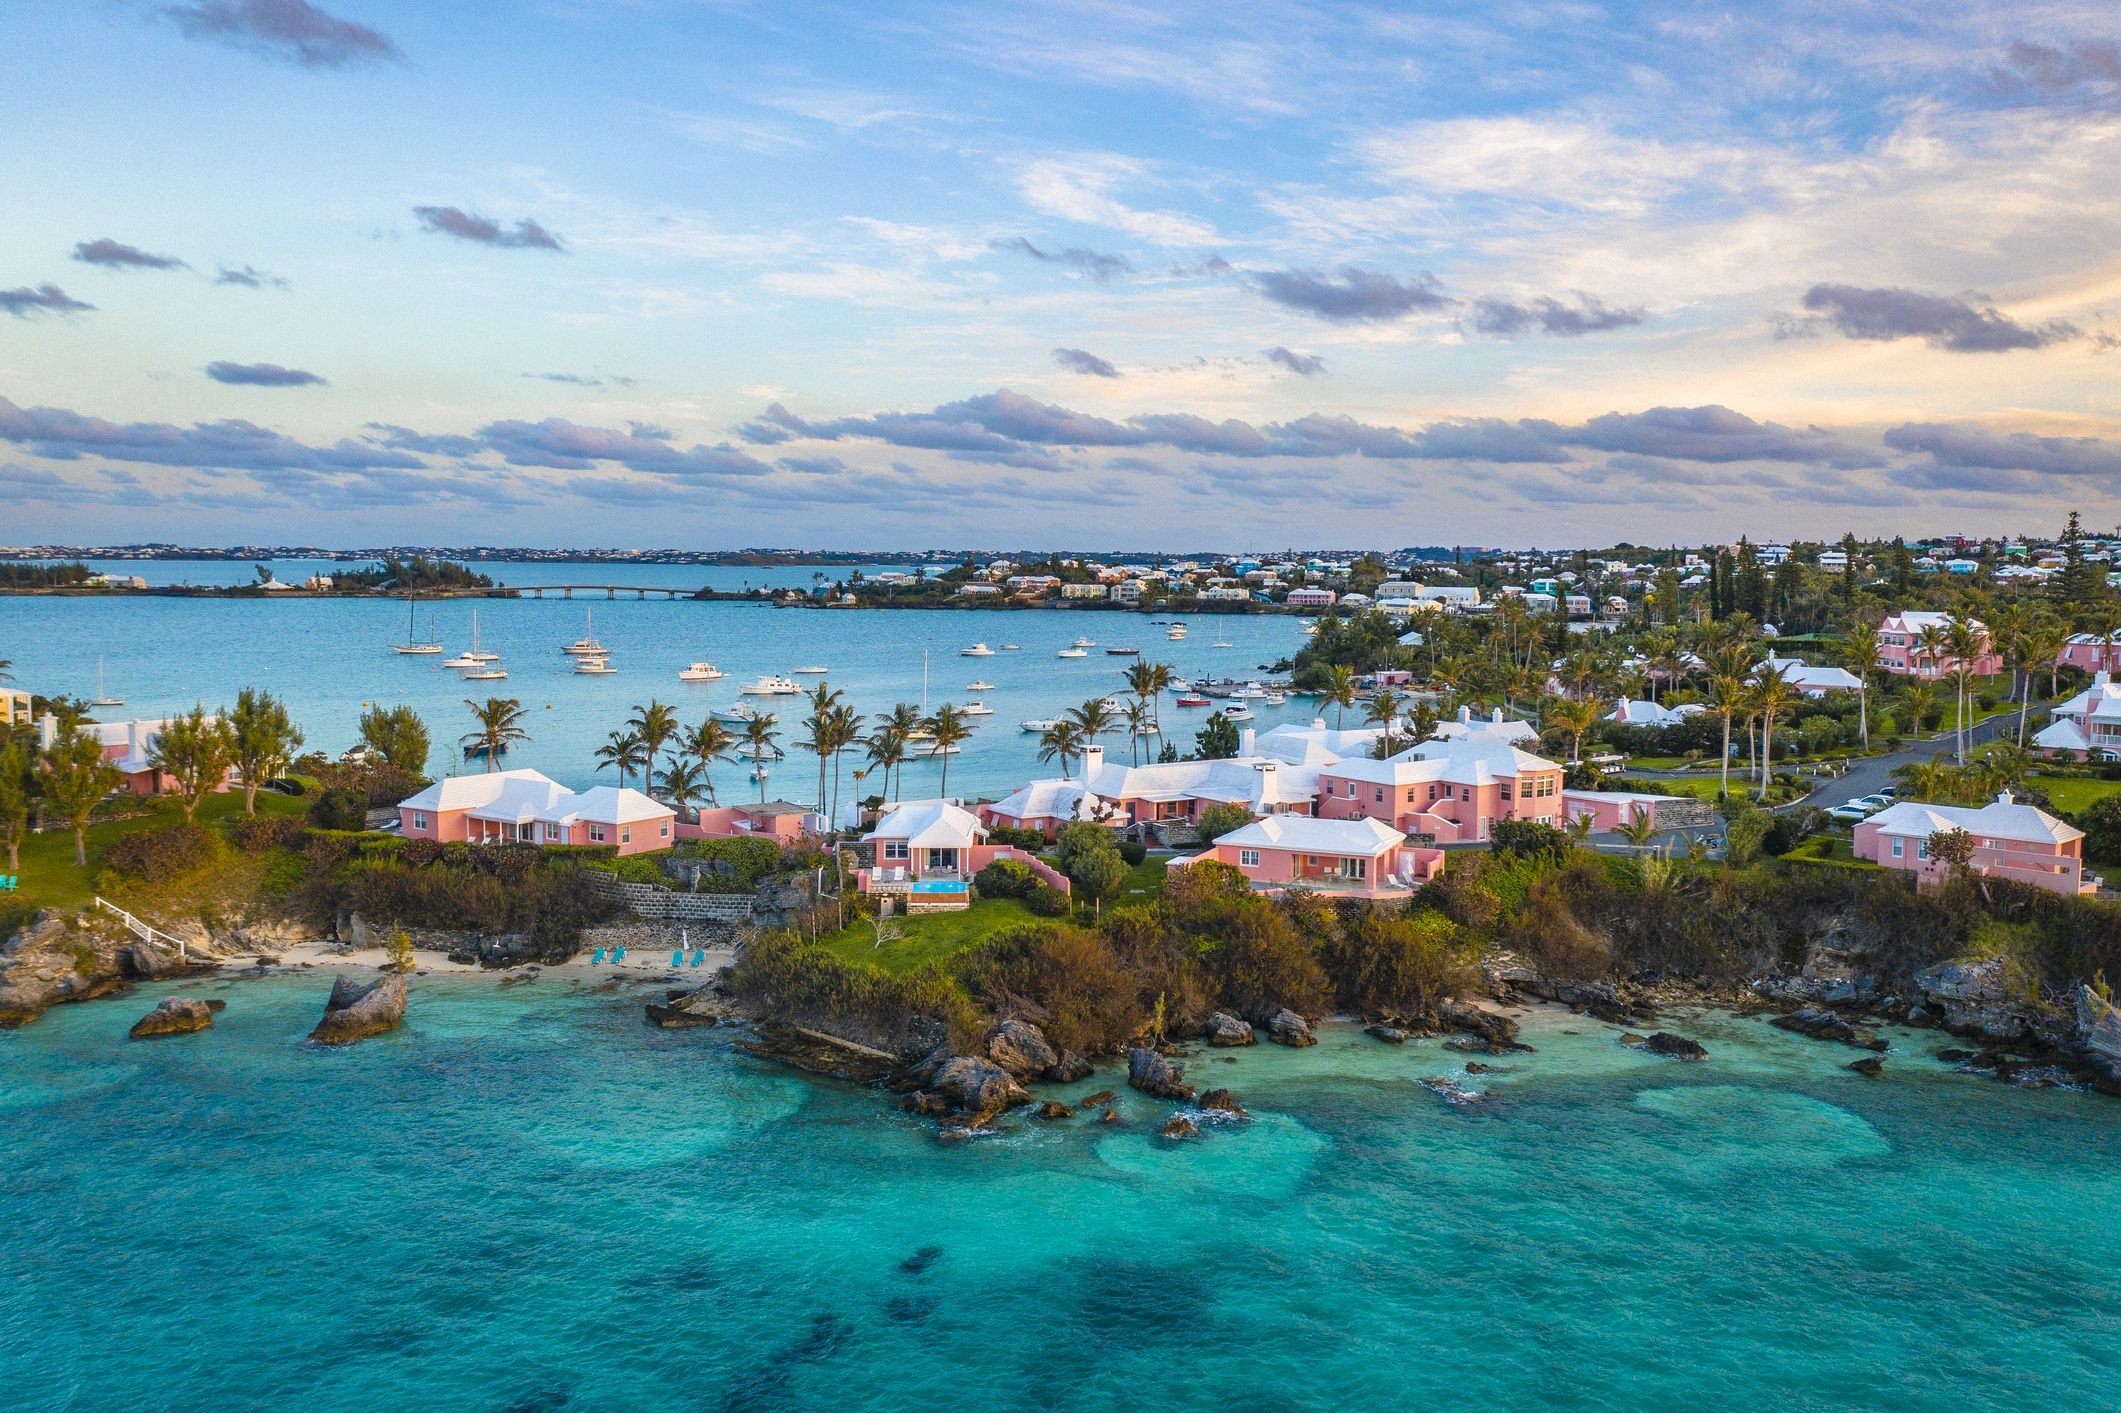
pixel 645 900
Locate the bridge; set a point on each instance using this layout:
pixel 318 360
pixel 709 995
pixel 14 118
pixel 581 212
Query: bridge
pixel 538 591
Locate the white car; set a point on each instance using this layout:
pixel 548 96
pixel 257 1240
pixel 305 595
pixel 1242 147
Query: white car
pixel 1873 802
pixel 1850 813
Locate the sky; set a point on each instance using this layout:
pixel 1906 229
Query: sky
pixel 678 273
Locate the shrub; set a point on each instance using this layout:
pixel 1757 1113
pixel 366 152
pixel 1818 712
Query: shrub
pixel 153 855
pixel 1047 901
pixel 340 808
pixel 735 865
pixel 1527 838
pixel 1133 851
pixel 1072 981
pixel 261 833
pixel 1004 878
pixel 634 868
pixel 1218 820
pixel 1029 839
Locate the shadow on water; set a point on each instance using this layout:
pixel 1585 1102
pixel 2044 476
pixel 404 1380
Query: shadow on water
pixel 768 1386
pixel 544 1400
pixel 921 1260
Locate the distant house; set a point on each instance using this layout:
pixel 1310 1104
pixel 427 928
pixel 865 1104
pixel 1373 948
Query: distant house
pixel 2090 652
pixel 129 746
pixel 2010 841
pixel 932 849
pixel 1814 681
pixel 1452 790
pixel 1900 651
pixel 1635 712
pixel 1363 858
pixel 526 807
pixel 782 822
pixel 2087 726
pixel 1310 598
pixel 14 707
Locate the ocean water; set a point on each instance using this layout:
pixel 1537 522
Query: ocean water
pixel 327 658
pixel 527 1199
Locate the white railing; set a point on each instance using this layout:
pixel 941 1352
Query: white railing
pixel 142 930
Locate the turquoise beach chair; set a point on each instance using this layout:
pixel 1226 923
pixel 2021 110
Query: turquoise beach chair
pixel 618 954
pixel 598 959
pixel 699 956
pixel 677 958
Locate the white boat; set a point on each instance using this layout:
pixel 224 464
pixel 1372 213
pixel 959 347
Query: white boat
pixel 1276 699
pixel 982 685
pixel 771 685
pixel 1250 692
pixel 975 709
pixel 1221 645
pixel 743 713
pixel 812 671
pixel 1175 632
pixel 1039 723
pixel 103 698
pixel 472 656
pixel 1071 652
pixel 464 661
pixel 412 646
pixel 486 674
pixel 1011 648
pixel 938 750
pixel 701 672
pixel 593 666
pixel 1238 711
pixel 976 650
pixel 1085 643
pixel 587 645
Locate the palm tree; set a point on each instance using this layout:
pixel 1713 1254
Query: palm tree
pixel 886 746
pixel 905 718
pixel 5 664
pixel 1161 677
pixel 680 783
pixel 1093 718
pixel 1859 655
pixel 1639 828
pixel 843 729
pixel 1728 698
pixel 1918 699
pixel 2101 618
pixel 2043 641
pixel 498 725
pixel 1773 696
pixel 817 739
pixel 949 728
pixel 655 724
pixel 1924 780
pixel 623 750
pixel 1966 639
pixel 1383 709
pixel 1340 689
pixel 1575 715
pixel 1930 645
pixel 1063 739
pixel 707 743
pixel 759 738
pixel 1139 728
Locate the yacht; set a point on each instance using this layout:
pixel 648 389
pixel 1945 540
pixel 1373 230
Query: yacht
pixel 812 671
pixel 976 650
pixel 1193 701
pixel 486 672
pixel 1085 642
pixel 464 661
pixel 586 645
pixel 1237 711
pixel 933 750
pixel 412 646
pixel 701 672
pixel 771 685
pixel 742 714
pixel 478 654
pixel 1250 692
pixel 1123 652
pixel 592 666
pixel 1071 652
pixel 982 685
pixel 102 697
pixel 1011 648
pixel 1276 699
pixel 975 709
pixel 1175 632
pixel 1039 723
pixel 1220 644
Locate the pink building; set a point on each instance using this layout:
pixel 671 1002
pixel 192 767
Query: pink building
pixel 1453 790
pixel 1900 647
pixel 778 820
pixel 1363 858
pixel 2090 653
pixel 128 745
pixel 524 807
pixel 930 850
pixel 1610 809
pixel 2087 726
pixel 2010 841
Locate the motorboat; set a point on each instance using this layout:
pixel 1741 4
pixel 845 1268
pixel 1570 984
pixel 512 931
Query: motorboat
pixel 982 685
pixel 1276 699
pixel 1237 711
pixel 464 661
pixel 593 666
pixel 1011 648
pixel 701 672
pixel 937 750
pixel 1071 652
pixel 771 685
pixel 487 673
pixel 1039 723
pixel 975 709
pixel 586 645
pixel 742 714
pixel 976 650
pixel 1175 632
pixel 1193 701
pixel 811 671
pixel 1220 644
pixel 1085 643
pixel 1123 652
pixel 412 646
pixel 104 698
pixel 1250 692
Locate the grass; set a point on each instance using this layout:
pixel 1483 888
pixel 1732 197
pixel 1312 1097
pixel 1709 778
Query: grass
pixel 1145 882
pixel 51 879
pixel 929 937
pixel 2070 794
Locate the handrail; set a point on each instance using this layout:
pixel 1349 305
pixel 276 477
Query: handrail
pixel 142 930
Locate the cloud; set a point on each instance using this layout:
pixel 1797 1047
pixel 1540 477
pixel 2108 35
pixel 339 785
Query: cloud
pixel 290 30
pixel 1305 365
pixel 1079 360
pixel 25 302
pixel 406 439
pixel 1080 188
pixel 1357 296
pixel 1940 321
pixel 1095 264
pixel 262 375
pixel 1588 315
pixel 2088 68
pixel 1963 457
pixel 1714 434
pixel 63 435
pixel 570 446
pixel 115 255
pixel 248 277
pixel 480 230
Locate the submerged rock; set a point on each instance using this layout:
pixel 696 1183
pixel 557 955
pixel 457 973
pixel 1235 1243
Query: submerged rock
pixel 1476 1067
pixel 1228 1031
pixel 1497 1033
pixel 1870 1066
pixel 1181 1127
pixel 1092 1101
pixel 1221 1101
pixel 1285 1027
pixel 1678 1047
pixel 1155 1075
pixel 177 1015
pixel 355 1011
pixel 1821 1024
pixel 1390 1034
pixel 1053 1109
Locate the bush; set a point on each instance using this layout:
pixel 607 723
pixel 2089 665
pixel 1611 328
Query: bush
pixel 1047 900
pixel 153 855
pixel 634 868
pixel 1004 878
pixel 1072 981
pixel 736 865
pixel 1027 839
pixel 1527 838
pixel 1133 851
pixel 1218 820
pixel 262 833
pixel 340 808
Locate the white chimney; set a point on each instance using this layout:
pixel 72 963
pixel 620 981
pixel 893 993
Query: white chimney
pixel 2101 677
pixel 48 731
pixel 1465 716
pixel 1496 716
pixel 1093 761
pixel 1244 742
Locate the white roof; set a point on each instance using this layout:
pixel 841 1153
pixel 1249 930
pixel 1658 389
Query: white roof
pixel 2101 701
pixel 464 792
pixel 1807 678
pixel 1043 799
pixel 1257 782
pixel 1630 712
pixel 1302 834
pixel 524 796
pixel 930 824
pixel 2002 818
pixel 2061 734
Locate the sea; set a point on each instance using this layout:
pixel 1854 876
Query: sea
pixel 329 658
pixel 526 1199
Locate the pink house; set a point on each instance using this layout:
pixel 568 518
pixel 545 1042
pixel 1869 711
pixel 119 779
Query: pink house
pixel 128 745
pixel 1452 790
pixel 2090 652
pixel 1169 792
pixel 524 807
pixel 2010 841
pixel 1610 809
pixel 2087 726
pixel 784 823
pixel 932 849
pixel 1900 647
pixel 1363 858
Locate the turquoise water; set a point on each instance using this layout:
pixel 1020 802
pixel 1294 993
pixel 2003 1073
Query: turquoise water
pixel 526 1199
pixel 327 657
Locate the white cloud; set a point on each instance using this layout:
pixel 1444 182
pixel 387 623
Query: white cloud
pixel 1081 187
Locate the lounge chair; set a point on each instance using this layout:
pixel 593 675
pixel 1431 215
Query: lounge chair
pixel 677 958
pixel 699 956
pixel 618 954
pixel 598 959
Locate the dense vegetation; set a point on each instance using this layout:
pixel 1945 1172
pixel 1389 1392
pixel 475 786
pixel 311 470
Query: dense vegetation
pixel 393 575
pixel 17 575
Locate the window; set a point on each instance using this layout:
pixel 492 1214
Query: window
pixel 665 831
pixel 625 834
pixel 1506 792
pixel 1922 849
pixel 1380 794
pixel 1248 858
pixel 596 833
pixel 419 821
pixel 555 833
pixel 1432 794
pixel 1899 848
pixel 895 849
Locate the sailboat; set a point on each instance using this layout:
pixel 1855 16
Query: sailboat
pixel 587 645
pixel 472 659
pixel 412 646
pixel 103 698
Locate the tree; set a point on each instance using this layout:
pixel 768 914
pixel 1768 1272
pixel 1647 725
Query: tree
pixel 1139 728
pixel 397 735
pixel 1638 829
pixel 1774 696
pixel 1217 740
pixel 1063 739
pixel 886 745
pixel 1339 690
pixel 397 950
pixel 18 791
pixel 497 724
pixel 843 728
pixel 1096 877
pixel 1918 699
pixel 950 730
pixel 1383 710
pixel 759 740
pixel 195 751
pixel 265 740
pixel 1728 698
pixel 819 734
pixel 654 724
pixel 680 783
pixel 1966 640
pixel 621 751
pixel 707 743
pixel 75 780
pixel 1576 716
pixel 1859 656
pixel 1093 718
pixel 1953 849
pixel 1218 820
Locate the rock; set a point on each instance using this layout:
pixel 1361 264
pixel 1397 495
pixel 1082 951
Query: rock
pixel 1221 1101
pixel 1954 1057
pixel 1476 1067
pixel 977 1090
pixel 1286 1027
pixel 1181 1127
pixel 1111 1115
pixel 1154 1075
pixel 355 1011
pixel 1663 1042
pixel 1053 1109
pixel 1469 1045
pixel 920 1101
pixel 1972 998
pixel 176 1015
pixel 1634 1041
pixel 1499 1033
pixel 1825 1025
pixel 1020 1048
pixel 1092 1101
pixel 1227 1030
pixel 2098 1024
pixel 1069 1068
pixel 143 962
pixel 1870 1066
pixel 1390 1034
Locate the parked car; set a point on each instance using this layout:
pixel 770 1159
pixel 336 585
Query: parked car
pixel 1853 812
pixel 1876 802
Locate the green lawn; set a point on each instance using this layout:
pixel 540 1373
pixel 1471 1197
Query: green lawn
pixel 2071 794
pixel 50 878
pixel 1145 882
pixel 929 937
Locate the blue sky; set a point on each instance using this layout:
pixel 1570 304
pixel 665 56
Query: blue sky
pixel 660 272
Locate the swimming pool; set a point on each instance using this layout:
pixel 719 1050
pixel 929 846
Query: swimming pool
pixel 939 885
